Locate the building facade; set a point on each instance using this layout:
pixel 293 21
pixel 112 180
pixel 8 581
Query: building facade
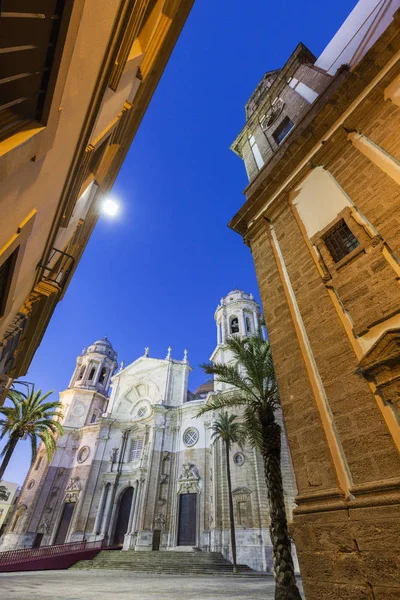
pixel 69 110
pixel 139 469
pixel 8 497
pixel 321 145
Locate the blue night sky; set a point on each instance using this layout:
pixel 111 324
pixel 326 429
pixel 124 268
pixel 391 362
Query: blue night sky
pixel 153 276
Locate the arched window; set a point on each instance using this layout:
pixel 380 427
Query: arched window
pixel 82 372
pixel 38 463
pixel 248 325
pixel 91 375
pixel 235 325
pixel 95 416
pixel 103 375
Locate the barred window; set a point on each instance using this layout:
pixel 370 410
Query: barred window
pixel 136 450
pixel 340 240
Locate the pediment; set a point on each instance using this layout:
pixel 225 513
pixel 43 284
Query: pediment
pixel 144 364
pixel 384 354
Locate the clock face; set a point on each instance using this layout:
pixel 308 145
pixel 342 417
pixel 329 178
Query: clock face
pixel 78 409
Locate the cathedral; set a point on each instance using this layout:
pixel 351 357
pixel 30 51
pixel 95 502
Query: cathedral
pixel 138 469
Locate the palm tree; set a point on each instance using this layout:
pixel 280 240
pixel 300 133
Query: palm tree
pixel 30 416
pixel 227 429
pixel 254 388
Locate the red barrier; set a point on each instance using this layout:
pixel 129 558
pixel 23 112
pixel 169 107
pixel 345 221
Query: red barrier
pixel 61 556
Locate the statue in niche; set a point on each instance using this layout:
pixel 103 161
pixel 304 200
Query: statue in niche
pixel 113 455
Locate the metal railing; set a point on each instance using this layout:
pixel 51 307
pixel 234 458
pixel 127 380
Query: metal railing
pixel 58 267
pixel 27 554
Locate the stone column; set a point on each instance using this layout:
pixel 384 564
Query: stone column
pixel 107 511
pixel 218 333
pixel 255 317
pixel 243 319
pixel 99 515
pixel 132 511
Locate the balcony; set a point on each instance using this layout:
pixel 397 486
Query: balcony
pixel 58 268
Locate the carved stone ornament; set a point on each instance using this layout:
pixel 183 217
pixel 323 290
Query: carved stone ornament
pixel 188 482
pixel 73 490
pixel 44 526
pixel 159 521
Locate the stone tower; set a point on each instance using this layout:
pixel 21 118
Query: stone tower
pixel 237 314
pixel 86 397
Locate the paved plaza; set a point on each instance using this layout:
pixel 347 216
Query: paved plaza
pixel 123 585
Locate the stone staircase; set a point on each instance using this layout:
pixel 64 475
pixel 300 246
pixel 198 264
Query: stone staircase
pixel 168 562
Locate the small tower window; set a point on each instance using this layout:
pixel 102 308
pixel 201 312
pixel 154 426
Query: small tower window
pixel 340 240
pixel 103 376
pixel 95 416
pixel 91 375
pixel 235 325
pixel 283 130
pixel 81 374
pixel 39 461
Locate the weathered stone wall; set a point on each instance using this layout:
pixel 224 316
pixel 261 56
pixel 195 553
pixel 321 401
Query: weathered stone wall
pixel 334 331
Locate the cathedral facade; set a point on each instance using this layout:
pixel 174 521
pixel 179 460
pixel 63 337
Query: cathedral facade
pixel 139 469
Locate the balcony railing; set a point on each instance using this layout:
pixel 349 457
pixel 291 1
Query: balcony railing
pixel 58 267
pixel 29 554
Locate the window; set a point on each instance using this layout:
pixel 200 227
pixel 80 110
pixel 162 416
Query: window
pixel 6 275
pixel 136 450
pixel 83 454
pixel 190 437
pixel 103 375
pixel 142 412
pixel 340 240
pixel 81 374
pixel 256 151
pixel 31 484
pixel 91 375
pixel 31 44
pixel 283 130
pixel 238 459
pixel 95 417
pixel 39 462
pixel 235 325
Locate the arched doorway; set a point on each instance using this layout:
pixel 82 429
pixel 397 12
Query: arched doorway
pixel 124 510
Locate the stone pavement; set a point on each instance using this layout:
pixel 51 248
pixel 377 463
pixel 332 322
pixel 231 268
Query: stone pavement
pixel 123 585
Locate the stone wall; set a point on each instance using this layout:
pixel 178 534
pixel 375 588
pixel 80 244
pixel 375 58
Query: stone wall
pixel 334 332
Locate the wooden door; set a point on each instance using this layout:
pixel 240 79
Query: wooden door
pixel 65 522
pixel 156 539
pixel 187 520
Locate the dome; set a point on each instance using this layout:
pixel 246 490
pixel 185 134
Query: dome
pixel 204 388
pixel 103 346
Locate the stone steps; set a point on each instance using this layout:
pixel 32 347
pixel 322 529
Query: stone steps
pixel 167 562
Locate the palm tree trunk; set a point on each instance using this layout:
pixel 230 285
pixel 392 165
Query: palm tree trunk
pixel 286 586
pixel 231 516
pixel 11 447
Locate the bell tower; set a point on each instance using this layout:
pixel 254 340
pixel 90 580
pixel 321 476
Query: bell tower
pixel 95 367
pixel 86 397
pixel 237 314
